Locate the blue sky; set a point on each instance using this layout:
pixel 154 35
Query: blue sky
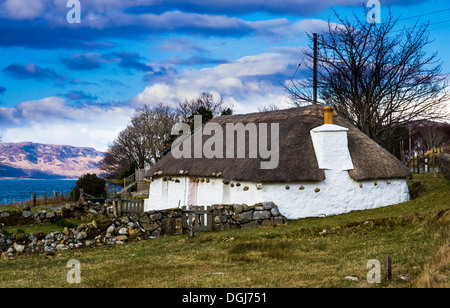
pixel 79 84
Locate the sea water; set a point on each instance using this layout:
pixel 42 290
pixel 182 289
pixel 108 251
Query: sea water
pixel 22 190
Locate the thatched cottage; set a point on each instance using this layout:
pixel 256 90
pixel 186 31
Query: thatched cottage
pixel 320 170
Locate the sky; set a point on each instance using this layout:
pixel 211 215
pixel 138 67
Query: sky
pixel 79 83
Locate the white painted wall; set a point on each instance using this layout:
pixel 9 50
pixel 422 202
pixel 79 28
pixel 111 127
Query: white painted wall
pixel 337 194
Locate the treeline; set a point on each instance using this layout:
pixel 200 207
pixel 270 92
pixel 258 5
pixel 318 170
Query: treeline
pixel 148 136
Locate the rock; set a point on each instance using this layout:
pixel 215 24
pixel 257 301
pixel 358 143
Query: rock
pixel 157 216
pixel 237 208
pixel 351 278
pixel 66 231
pixel 111 229
pixel 444 160
pixel 123 231
pixel 261 215
pixel 4 214
pixel 81 235
pixel 94 224
pixel 19 248
pixel 144 219
pixel 124 220
pixel 150 226
pixel 250 225
pixel 279 220
pixel 27 214
pixel 61 247
pixel 243 217
pixel 121 238
pixel 48 249
pixel 275 211
pixel 405 277
pixel 266 223
pixel 268 205
pixel 220 219
pixel 134 233
pixel 89 243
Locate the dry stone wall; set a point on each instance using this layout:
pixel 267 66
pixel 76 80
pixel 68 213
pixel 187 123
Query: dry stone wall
pixel 242 216
pixel 105 230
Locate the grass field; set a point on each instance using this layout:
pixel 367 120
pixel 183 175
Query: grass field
pixel 415 234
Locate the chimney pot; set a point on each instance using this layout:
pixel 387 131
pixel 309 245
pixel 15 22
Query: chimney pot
pixel 328 115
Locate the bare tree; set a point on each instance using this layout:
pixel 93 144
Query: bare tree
pixel 377 77
pixel 148 137
pixel 143 141
pixel 204 105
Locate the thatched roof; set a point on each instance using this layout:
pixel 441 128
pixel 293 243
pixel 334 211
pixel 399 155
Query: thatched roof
pixel 297 159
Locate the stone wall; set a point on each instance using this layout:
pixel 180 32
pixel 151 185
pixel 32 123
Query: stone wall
pixel 103 231
pixel 112 231
pixel 444 160
pixel 242 216
pixel 75 211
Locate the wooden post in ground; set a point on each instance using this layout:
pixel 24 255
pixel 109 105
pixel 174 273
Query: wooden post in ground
pixel 387 270
pixel 45 199
pixel 191 231
pixel 34 200
pixel 114 208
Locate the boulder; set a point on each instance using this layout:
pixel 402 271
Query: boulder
pixel 444 160
pixel 243 217
pixel 261 215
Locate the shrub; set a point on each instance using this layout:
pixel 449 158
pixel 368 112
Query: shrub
pixel 63 224
pixel 91 185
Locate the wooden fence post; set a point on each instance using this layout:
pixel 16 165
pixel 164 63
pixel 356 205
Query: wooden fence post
pixel 387 270
pixel 45 199
pixel 34 199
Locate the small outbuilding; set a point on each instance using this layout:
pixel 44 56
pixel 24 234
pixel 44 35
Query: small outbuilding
pixel 312 163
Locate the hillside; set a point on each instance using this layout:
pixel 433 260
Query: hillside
pixel 44 161
pixel 305 253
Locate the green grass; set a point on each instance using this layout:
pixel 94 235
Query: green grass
pixel 415 234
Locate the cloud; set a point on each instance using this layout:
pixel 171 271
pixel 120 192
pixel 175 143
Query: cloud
pixel 80 95
pixel 195 60
pixel 85 61
pixel 32 71
pixel 52 120
pixel 248 83
pixel 181 45
pixel 239 7
pixel 131 60
pixel 93 61
pixel 24 9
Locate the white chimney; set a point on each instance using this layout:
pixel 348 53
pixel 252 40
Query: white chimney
pixel 331 144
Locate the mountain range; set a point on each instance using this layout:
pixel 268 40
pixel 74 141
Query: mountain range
pixel 28 160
